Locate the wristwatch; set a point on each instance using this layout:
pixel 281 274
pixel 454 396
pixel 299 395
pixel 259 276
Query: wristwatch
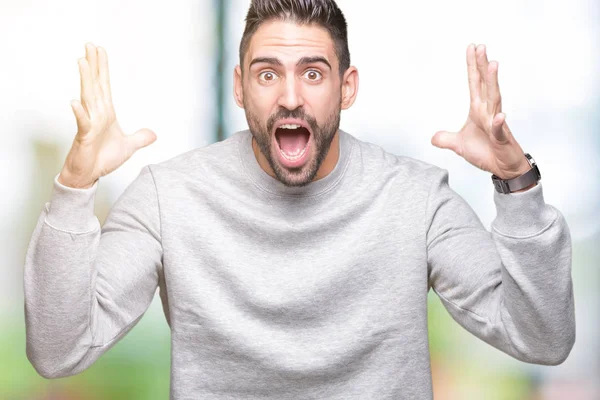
pixel 512 185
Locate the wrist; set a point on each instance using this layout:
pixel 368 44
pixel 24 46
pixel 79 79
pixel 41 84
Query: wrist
pixel 522 169
pixel 518 180
pixel 70 180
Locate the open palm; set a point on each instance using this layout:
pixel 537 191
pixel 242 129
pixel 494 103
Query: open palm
pixel 485 140
pixel 100 145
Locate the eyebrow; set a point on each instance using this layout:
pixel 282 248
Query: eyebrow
pixel 266 60
pixel 313 60
pixel 302 61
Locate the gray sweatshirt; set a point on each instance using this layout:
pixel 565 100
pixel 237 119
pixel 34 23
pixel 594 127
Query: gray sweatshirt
pixel 275 292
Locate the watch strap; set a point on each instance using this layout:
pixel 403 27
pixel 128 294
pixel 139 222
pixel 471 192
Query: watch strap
pixel 520 182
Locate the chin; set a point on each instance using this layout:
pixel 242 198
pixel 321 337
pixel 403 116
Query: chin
pixel 296 176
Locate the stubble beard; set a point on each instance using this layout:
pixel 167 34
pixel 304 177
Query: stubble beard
pixel 322 138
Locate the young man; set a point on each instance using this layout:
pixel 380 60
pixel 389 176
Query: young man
pixel 293 259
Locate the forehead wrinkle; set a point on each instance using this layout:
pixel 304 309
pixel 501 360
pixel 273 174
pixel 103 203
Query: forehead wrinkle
pixel 287 39
pixel 295 41
pixel 275 41
pixel 290 49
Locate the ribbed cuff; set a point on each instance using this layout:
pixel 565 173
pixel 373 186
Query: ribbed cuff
pixel 522 214
pixel 72 209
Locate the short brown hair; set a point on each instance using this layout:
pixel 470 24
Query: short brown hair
pixel 325 13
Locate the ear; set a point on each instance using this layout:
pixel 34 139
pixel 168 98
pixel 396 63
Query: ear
pixel 349 87
pixel 238 90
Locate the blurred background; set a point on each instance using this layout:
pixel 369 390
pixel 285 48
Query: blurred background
pixel 171 67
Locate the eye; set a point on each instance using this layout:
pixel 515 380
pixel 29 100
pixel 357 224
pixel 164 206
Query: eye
pixel 267 76
pixel 313 75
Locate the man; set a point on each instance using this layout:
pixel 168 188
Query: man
pixel 293 259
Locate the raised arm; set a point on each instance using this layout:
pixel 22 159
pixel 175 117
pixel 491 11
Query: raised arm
pixel 510 287
pixel 85 286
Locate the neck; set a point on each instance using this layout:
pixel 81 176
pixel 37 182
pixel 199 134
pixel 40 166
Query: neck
pixel 329 163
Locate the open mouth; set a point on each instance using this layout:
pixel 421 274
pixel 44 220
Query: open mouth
pixel 293 140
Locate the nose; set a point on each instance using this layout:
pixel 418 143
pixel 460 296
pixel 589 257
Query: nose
pixel 291 95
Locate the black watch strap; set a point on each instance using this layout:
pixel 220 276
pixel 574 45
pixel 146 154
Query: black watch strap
pixel 520 182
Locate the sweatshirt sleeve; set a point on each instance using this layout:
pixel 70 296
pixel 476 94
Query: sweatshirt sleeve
pixel 86 286
pixel 510 287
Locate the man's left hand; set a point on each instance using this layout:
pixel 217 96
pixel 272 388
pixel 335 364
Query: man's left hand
pixel 485 140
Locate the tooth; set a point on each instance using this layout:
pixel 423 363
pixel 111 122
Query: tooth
pixel 289 126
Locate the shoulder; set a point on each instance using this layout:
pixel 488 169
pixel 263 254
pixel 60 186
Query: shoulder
pixel 408 171
pixel 201 160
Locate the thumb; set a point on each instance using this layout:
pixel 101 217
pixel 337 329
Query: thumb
pixel 445 140
pixel 141 138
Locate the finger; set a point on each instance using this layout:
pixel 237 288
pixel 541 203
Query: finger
pixel 92 57
pixel 493 89
pixel 140 139
pixel 446 140
pixel 103 74
pixel 87 97
pixel 482 67
pixel 83 121
pixel 499 128
pixel 474 83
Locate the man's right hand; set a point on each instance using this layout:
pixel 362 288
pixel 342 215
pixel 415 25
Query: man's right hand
pixel 100 146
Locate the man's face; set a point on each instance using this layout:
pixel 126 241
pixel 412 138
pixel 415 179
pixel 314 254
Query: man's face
pixel 292 97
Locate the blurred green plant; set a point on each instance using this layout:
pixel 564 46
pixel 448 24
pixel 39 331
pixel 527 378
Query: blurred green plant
pixel 138 367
